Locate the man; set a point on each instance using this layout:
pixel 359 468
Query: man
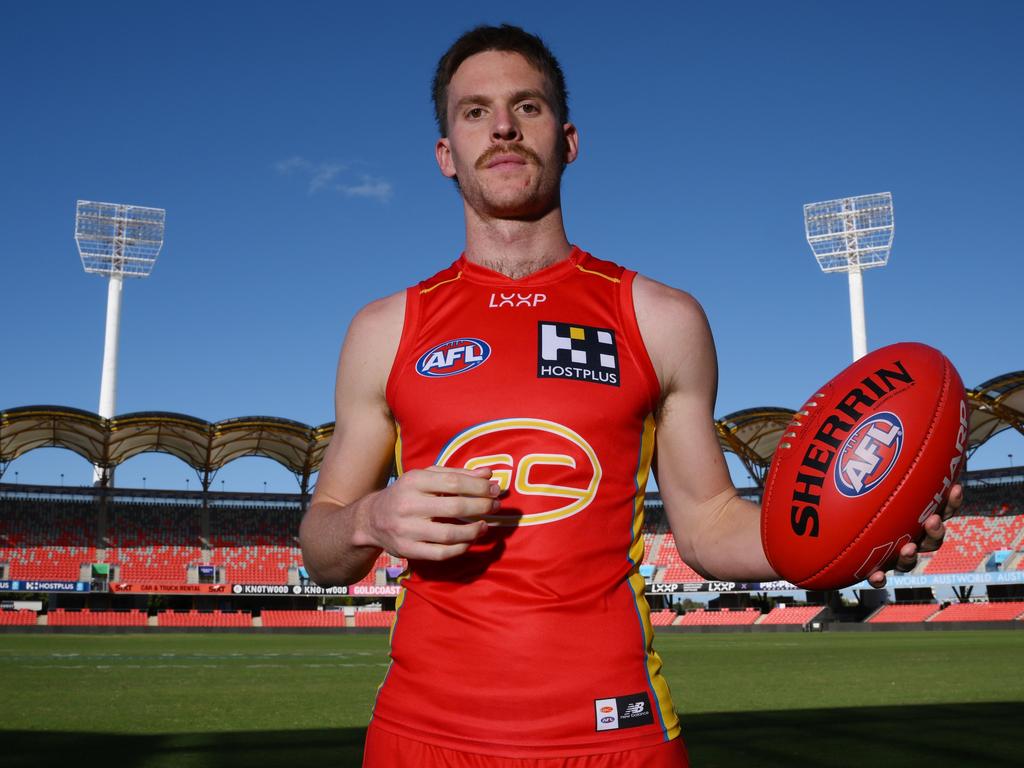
pixel 518 392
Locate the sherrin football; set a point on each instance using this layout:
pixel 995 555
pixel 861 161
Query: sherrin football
pixel 862 464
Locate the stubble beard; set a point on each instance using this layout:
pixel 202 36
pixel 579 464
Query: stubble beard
pixel 527 203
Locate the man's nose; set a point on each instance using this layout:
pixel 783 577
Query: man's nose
pixel 505 127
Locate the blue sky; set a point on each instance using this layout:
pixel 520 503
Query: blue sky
pixel 292 146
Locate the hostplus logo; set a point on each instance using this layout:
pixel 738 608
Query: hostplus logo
pixel 577 352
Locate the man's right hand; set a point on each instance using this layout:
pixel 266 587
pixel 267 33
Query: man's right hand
pixel 429 514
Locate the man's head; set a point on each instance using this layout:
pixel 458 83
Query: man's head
pixel 505 38
pixel 504 138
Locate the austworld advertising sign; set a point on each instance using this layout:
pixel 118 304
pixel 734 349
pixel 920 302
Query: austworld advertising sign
pixel 43 586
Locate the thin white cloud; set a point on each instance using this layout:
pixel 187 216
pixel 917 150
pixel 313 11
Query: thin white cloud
pixel 322 175
pixel 293 163
pixel 331 176
pixel 376 189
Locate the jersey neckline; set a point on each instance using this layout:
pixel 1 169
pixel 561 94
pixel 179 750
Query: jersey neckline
pixel 479 274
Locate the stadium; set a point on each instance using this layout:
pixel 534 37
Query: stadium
pixel 156 610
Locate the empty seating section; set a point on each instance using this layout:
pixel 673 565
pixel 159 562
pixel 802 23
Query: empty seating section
pixel 153 542
pixel 996 499
pixel 47 540
pixel 970 539
pixel 890 614
pixel 255 545
pixel 375 618
pixel 674 567
pixel 792 614
pixel 204 619
pixel 660 548
pixel 303 619
pixel 86 618
pixel 378 574
pixel 1007 611
pixel 18 618
pixel 725 616
pixel 663 618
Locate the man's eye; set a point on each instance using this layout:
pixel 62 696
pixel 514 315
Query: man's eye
pixel 529 108
pixel 475 112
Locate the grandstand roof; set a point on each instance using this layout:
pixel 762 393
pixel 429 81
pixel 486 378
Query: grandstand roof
pixel 751 434
pixel 996 405
pixel 205 446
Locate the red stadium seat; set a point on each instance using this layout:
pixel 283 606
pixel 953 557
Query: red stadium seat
pixel 86 618
pixel 18 618
pixel 723 617
pixel 897 612
pixel 792 614
pixel 1003 611
pixel 303 619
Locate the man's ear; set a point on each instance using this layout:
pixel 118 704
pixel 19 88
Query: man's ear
pixel 443 154
pixel 572 142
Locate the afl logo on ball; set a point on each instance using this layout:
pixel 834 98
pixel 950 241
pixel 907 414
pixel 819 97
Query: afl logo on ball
pixel 453 357
pixel 868 454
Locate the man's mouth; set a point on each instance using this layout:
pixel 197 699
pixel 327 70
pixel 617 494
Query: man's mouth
pixel 506 157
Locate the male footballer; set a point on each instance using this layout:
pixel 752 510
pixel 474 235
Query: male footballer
pixel 524 394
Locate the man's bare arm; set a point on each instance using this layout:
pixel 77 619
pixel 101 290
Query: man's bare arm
pixel 354 514
pixel 717 532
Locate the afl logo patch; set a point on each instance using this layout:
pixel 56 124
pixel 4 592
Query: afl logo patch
pixel 868 454
pixel 453 357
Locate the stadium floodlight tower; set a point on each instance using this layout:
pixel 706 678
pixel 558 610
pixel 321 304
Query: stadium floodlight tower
pixel 117 241
pixel 850 235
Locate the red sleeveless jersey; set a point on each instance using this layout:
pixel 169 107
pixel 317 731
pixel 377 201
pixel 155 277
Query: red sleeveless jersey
pixel 537 641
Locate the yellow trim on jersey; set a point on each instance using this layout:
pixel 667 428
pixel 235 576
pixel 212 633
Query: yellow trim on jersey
pixel 599 274
pixel 443 282
pixel 398 450
pixel 636 583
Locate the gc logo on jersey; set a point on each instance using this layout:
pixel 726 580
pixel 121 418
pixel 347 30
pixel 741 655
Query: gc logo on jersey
pixel 579 352
pixel 868 454
pixel 547 471
pixel 453 357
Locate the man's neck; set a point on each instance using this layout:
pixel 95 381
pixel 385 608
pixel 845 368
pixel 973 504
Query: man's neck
pixel 516 248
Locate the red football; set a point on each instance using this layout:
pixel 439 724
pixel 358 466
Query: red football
pixel 864 462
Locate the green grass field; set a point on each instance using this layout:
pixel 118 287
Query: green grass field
pixel 932 699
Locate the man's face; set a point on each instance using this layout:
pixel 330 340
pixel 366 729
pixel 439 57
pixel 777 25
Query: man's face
pixel 505 142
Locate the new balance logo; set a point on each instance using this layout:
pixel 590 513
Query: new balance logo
pixel 623 712
pixel 635 709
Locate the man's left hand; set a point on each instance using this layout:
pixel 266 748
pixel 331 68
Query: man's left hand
pixel 934 533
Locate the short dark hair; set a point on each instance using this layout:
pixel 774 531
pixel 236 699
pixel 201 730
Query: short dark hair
pixel 504 38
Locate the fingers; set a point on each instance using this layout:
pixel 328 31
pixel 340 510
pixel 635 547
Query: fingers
pixel 934 533
pixel 454 482
pixel 433 513
pixel 953 503
pixel 905 563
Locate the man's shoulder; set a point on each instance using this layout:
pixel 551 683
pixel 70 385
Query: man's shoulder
pixel 675 331
pixel 662 303
pixel 383 314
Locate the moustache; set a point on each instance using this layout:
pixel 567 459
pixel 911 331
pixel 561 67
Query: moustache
pixel 510 149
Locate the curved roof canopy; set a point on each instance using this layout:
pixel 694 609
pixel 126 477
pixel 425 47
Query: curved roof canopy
pixel 752 434
pixel 996 405
pixel 204 446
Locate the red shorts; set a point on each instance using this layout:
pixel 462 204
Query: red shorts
pixel 385 750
